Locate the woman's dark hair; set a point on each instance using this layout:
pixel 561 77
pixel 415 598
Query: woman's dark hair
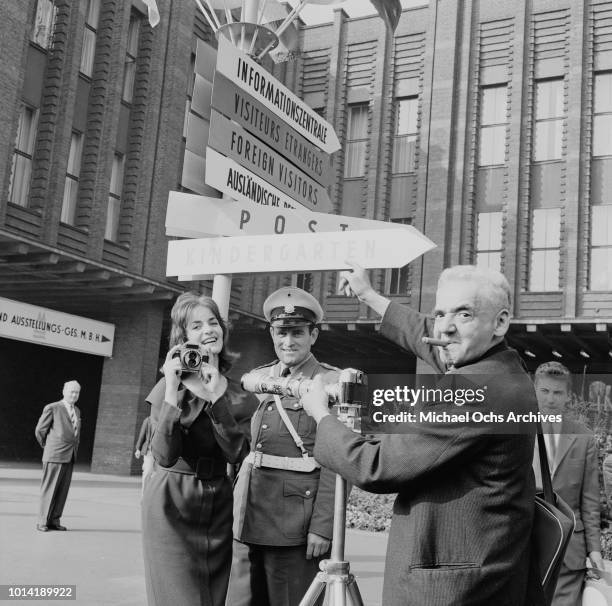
pixel 181 310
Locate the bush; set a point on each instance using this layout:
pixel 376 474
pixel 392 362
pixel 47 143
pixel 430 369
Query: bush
pixel 367 511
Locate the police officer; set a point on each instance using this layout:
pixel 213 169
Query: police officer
pixel 283 499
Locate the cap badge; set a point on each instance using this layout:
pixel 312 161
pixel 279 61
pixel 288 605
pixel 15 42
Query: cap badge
pixel 289 308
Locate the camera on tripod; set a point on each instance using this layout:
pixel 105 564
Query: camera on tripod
pixel 345 397
pixel 191 357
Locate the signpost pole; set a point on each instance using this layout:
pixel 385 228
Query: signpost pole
pixel 222 287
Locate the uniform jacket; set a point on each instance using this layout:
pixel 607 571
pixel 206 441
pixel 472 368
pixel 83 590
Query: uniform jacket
pixel 143 442
pixel 461 526
pixel 55 433
pixel 575 478
pixel 279 507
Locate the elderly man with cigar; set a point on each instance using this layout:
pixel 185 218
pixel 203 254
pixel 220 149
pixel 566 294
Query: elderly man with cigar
pixel 463 516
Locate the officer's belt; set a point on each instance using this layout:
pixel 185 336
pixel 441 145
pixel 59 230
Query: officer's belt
pixel 203 468
pixel 303 464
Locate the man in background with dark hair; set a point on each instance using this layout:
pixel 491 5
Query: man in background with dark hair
pixel 572 457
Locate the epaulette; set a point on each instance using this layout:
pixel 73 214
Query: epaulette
pixel 265 365
pixel 329 366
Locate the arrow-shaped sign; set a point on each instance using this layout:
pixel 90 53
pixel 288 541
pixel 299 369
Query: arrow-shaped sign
pixel 239 183
pixel 256 81
pixel 194 259
pixel 236 143
pixel 192 216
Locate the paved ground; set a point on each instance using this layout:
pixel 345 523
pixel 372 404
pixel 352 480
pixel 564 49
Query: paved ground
pixel 101 553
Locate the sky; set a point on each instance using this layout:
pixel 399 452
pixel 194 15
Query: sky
pixel 313 14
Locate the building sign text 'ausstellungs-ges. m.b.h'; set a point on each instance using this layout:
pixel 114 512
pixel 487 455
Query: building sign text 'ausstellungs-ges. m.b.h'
pixel 24 322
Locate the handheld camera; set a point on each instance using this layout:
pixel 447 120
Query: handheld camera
pixel 191 357
pixel 345 397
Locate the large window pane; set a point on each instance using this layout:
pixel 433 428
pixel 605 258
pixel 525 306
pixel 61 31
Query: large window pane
pixel 603 93
pixel 601 269
pixel 549 118
pixel 112 219
pixel 546 227
pixel 21 172
pixel 544 270
pixel 356 143
pixel 489 231
pixel 602 135
pixel 494 105
pixel 69 201
pixel 489 260
pixel 88 52
pixel 492 145
pixel 549 99
pixel 44 21
pixel 548 139
pixel 404 154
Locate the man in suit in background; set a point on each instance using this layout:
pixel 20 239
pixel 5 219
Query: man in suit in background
pixel 462 521
pixel 572 455
pixel 58 432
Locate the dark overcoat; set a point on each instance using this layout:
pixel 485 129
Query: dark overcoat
pixel 187 500
pixel 461 526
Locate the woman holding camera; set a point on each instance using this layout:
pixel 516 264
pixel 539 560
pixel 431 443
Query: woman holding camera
pixel 187 502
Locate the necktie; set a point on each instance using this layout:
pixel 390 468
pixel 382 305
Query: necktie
pixel 286 372
pixel 73 419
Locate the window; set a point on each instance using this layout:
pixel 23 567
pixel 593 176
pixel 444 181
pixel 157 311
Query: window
pixel 44 22
pixel 601 248
pixel 549 116
pixel 304 281
pixel 493 122
pixel 71 187
pixel 21 169
pixel 602 115
pixel 545 242
pixel 406 129
pixel 129 68
pixel 356 141
pixel 114 199
pixel 89 37
pixel 399 276
pixel 489 240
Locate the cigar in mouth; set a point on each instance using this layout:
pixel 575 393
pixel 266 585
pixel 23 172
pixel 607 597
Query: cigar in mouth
pixel 437 342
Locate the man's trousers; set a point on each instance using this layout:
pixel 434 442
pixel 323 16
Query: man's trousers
pixel 53 492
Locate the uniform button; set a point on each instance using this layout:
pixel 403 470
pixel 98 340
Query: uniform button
pixel 269 407
pixel 308 493
pixel 295 405
pixel 259 445
pixel 264 426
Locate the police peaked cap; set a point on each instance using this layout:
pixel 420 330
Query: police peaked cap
pixel 291 306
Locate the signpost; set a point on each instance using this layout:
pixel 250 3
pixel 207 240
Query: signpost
pixel 248 151
pixel 266 89
pixel 260 121
pixel 269 152
pixel 239 183
pixel 192 216
pixel 194 259
pixel 43 326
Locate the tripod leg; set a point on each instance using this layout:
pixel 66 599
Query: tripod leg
pixel 314 591
pixel 353 593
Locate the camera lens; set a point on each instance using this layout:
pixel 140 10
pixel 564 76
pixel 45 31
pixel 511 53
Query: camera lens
pixel 192 359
